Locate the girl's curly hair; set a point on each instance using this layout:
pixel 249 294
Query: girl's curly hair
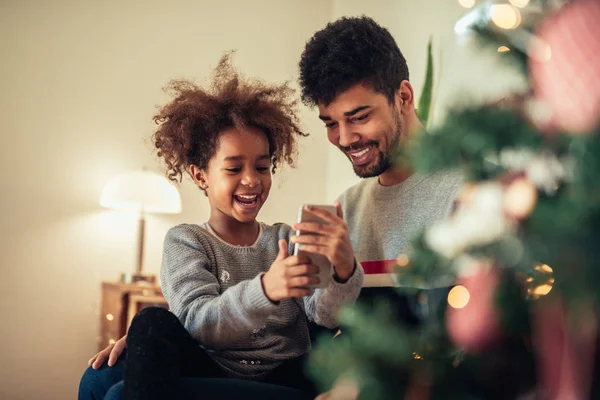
pixel 190 124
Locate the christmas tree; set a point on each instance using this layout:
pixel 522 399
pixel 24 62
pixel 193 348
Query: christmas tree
pixel 523 246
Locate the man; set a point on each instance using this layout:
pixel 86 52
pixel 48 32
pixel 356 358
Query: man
pixel 355 73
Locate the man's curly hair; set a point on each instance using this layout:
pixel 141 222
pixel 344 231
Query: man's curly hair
pixel 347 52
pixel 190 124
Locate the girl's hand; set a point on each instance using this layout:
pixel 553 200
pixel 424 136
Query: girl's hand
pixel 288 276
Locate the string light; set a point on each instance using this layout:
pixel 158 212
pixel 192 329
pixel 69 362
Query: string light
pixel 467 3
pixel 505 16
pixel 458 297
pixel 402 260
pixel 519 3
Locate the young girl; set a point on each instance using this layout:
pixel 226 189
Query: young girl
pixel 239 302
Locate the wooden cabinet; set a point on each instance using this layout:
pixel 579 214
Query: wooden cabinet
pixel 120 303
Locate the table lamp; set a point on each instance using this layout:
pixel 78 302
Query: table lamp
pixel 142 192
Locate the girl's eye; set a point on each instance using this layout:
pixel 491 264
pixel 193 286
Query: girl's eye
pixel 262 169
pixel 234 170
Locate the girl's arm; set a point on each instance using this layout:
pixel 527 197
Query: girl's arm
pixel 215 319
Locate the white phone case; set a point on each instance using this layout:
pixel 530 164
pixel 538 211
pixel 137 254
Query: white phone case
pixel 325 268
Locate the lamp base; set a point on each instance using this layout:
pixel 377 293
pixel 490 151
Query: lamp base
pixel 138 277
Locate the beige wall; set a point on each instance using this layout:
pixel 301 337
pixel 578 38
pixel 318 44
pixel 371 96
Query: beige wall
pixel 79 82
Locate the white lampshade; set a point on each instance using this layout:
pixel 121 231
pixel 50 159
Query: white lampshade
pixel 141 190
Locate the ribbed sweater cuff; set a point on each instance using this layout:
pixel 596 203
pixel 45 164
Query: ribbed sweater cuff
pixel 355 280
pixel 256 296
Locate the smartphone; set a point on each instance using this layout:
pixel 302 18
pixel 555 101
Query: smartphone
pixel 325 273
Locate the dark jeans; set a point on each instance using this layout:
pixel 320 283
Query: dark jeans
pixel 95 383
pixel 107 383
pixel 161 352
pixel 222 389
pixel 407 307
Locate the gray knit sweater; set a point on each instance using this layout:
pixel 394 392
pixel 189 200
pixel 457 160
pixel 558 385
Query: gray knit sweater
pixel 383 220
pixel 215 290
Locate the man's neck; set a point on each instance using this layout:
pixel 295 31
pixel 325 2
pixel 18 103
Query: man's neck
pixel 394 175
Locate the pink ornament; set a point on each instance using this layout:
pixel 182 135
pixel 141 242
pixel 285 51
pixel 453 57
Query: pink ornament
pixel 565 352
pixel 565 68
pixel 474 324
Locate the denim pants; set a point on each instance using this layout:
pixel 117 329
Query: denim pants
pixel 95 383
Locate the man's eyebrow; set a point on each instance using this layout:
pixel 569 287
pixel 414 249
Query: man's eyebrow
pixel 356 110
pixel 347 113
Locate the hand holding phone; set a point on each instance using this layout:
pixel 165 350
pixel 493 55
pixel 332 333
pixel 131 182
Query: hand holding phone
pixel 320 260
pixel 322 234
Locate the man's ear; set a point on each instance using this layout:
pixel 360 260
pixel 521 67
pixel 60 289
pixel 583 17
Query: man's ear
pixel 405 98
pixel 199 176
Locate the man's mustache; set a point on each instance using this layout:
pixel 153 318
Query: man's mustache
pixel 355 147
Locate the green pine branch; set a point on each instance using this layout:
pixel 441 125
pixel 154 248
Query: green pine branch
pixel 467 138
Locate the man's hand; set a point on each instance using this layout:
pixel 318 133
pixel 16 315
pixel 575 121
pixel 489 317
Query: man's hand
pixel 112 352
pixel 331 240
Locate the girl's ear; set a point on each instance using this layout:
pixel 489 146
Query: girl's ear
pixel 199 176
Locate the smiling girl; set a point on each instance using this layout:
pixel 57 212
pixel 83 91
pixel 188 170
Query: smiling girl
pixel 239 303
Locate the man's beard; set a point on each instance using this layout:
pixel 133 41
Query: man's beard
pixel 383 161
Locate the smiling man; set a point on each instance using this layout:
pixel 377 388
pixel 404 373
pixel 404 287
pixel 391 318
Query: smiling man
pixel 356 75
